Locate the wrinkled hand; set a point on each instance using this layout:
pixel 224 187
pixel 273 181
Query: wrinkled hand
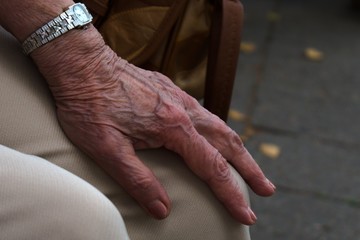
pixel 109 107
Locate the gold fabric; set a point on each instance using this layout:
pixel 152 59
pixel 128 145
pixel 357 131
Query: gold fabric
pixel 166 36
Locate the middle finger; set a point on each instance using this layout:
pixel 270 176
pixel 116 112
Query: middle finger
pixel 229 144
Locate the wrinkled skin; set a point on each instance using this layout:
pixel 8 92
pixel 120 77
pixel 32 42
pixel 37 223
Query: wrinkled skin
pixel 109 108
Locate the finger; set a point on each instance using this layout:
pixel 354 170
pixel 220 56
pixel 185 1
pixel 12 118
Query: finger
pixel 115 154
pixel 206 162
pixel 140 183
pixel 229 144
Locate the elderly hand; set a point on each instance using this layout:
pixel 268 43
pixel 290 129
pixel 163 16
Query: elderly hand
pixel 108 108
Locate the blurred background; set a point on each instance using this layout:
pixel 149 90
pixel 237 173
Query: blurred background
pixel 296 104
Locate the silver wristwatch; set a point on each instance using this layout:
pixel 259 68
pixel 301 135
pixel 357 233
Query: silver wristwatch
pixel 76 16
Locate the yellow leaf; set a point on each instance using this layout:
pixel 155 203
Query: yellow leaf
pixel 244 138
pixel 247 47
pixel 236 115
pixel 273 16
pixel 313 54
pixel 270 150
pixel 250 131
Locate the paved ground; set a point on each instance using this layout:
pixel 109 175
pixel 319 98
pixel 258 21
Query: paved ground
pixel 310 110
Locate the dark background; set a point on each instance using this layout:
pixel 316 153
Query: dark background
pixel 309 109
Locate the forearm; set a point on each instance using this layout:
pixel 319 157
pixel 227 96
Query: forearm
pixel 73 50
pixel 22 17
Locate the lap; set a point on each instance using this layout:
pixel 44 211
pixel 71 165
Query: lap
pixel 39 200
pixel 28 124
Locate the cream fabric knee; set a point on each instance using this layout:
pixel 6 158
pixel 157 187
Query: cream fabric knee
pixel 39 200
pixel 28 124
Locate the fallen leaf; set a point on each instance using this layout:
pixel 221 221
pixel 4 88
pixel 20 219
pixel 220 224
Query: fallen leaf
pixel 270 150
pixel 273 16
pixel 244 138
pixel 313 54
pixel 247 47
pixel 236 115
pixel 249 131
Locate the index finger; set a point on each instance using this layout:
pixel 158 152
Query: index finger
pixel 232 148
pixel 207 163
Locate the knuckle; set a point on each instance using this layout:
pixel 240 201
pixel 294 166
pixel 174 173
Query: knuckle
pixel 172 112
pixel 221 170
pixel 174 120
pixel 235 141
pixel 190 102
pixel 235 138
pixel 178 115
pixel 142 183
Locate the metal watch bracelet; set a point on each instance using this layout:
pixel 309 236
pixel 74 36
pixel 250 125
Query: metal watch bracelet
pixel 76 16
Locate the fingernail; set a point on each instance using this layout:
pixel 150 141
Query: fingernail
pixel 271 185
pixel 157 209
pixel 252 215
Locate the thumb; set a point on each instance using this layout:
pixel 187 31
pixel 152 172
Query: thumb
pixel 115 154
pixel 139 181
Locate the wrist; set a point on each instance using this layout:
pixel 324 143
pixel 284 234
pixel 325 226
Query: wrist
pixel 69 55
pixel 75 16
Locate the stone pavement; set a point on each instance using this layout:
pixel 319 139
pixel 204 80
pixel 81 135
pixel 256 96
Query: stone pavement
pixel 310 110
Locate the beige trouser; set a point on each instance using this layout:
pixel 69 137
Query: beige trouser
pixel 67 196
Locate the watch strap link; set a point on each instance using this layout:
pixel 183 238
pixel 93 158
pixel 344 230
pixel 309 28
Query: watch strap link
pixel 55 28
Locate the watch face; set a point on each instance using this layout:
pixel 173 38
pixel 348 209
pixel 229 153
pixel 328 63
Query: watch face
pixel 81 13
